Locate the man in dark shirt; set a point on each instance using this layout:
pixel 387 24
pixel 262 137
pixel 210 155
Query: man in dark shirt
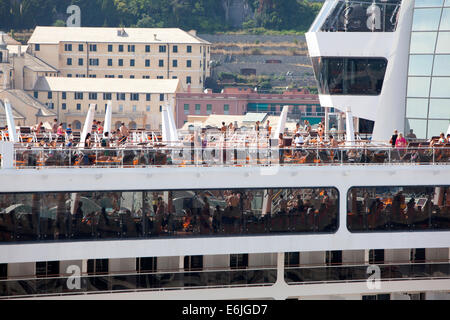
pixel 394 138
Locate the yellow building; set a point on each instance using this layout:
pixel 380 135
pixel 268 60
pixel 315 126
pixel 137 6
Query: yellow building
pixel 137 103
pixel 130 53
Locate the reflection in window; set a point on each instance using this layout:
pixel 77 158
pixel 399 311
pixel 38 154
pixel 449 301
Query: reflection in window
pixel 423 42
pixel 420 65
pixel 350 76
pixel 428 3
pixel 440 88
pixel 443 44
pixel 435 127
pixel 441 65
pixel 426 19
pixel 398 208
pixel 416 108
pixel 116 215
pixel 363 16
pixel 440 108
pixel 418 87
pixel 445 20
pixel 418 126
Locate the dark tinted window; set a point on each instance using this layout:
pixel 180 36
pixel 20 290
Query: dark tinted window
pixel 350 76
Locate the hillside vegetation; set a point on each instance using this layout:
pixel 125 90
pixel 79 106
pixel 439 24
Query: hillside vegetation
pixel 207 16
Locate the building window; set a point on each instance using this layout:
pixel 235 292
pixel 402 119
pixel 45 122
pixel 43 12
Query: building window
pixel 80 61
pixel 120 76
pixel 120 47
pixel 131 76
pixel 92 76
pixel 186 109
pixel 69 61
pixel 67 47
pixel 193 263
pixel 131 48
pixel 69 75
pixel 147 48
pixel 148 97
pixel 37 47
pixel 80 47
pixel 226 109
pixel 174 77
pixel 109 76
pixel 93 62
pixel 63 106
pixel 147 108
pixel 50 105
pixel 134 108
pixel 160 108
pixel 188 79
pixel 3 271
pixel 120 96
pixel 97 266
pixel 208 108
pixel 107 96
pixel 132 63
pixel 189 49
pixel 78 108
pixel 93 47
pixel 333 258
pixel 175 49
pixel 147 62
pixel 145 77
pixel 146 265
pixel 162 48
pixel 175 63
pixel 159 77
pixel 134 96
pixel 376 256
pixel 46 269
pixel 188 63
pixel 49 95
pixel 63 95
pixel 110 47
pixel 161 97
pixel 36 94
pixel 78 95
pixel 291 259
pixel 238 261
pixel 92 96
pixel 110 63
pixel 197 109
pixel 120 107
pixel 161 63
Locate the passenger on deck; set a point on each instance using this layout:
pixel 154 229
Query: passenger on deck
pixel 124 133
pixel 400 142
pixel 394 138
pixel 411 135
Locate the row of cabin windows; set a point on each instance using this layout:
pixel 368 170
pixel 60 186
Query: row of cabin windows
pixel 226 109
pixel 120 76
pixel 120 48
pixel 120 109
pixel 68 47
pixel 132 62
pixel 106 96
pixel 192 263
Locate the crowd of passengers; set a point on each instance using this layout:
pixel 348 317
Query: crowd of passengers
pixel 293 211
pixel 302 145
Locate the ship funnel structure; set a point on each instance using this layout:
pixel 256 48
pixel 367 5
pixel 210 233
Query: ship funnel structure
pixel 108 114
pixel 87 128
pixel 10 121
pixel 169 131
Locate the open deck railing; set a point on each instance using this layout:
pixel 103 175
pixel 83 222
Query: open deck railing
pixel 143 156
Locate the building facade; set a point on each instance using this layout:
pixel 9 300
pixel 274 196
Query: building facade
pixel 137 103
pixel 131 53
pixel 239 101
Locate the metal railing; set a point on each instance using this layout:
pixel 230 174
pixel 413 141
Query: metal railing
pixel 190 156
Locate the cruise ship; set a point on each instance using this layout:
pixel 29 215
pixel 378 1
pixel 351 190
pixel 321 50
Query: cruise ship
pixel 248 214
